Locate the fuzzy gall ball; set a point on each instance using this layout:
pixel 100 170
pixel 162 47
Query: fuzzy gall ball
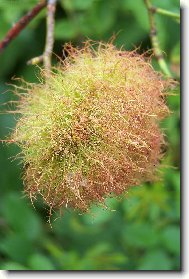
pixel 91 129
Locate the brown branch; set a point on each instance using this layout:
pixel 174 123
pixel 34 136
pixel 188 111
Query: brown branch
pixel 21 24
pixel 154 39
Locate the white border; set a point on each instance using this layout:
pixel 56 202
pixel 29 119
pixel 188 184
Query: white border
pixel 185 187
pixel 185 136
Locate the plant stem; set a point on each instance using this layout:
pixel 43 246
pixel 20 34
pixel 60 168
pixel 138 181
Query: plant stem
pixel 154 39
pixel 167 13
pixel 51 8
pixel 47 54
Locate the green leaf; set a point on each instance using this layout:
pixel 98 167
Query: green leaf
pixel 16 247
pixel 12 266
pixel 102 257
pixel 99 249
pixel 72 5
pixel 12 10
pixel 98 215
pixel 155 260
pixel 20 217
pixel 172 6
pixel 99 19
pixel 171 239
pixel 139 11
pixel 65 29
pixel 40 262
pixel 175 54
pixel 139 235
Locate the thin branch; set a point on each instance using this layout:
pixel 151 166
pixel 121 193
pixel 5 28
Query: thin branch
pixel 167 13
pixel 21 24
pixel 46 56
pixel 35 60
pixel 154 39
pixel 51 8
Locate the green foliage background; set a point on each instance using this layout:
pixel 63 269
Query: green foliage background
pixel 140 232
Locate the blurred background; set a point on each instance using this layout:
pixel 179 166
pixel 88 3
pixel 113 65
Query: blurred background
pixel 139 232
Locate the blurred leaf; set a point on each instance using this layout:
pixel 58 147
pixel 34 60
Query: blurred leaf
pixel 72 5
pixel 17 247
pixel 161 26
pixel 175 54
pixel 155 260
pixel 175 59
pixel 171 239
pixel 173 124
pixel 54 250
pixel 12 10
pixel 139 235
pixel 21 217
pixel 66 260
pixel 98 215
pixel 174 102
pixel 99 249
pixel 99 19
pixel 173 5
pixel 65 29
pixel 40 262
pixel 145 198
pixel 139 11
pixel 126 37
pixel 12 266
pixel 102 257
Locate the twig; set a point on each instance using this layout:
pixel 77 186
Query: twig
pixel 167 13
pixel 51 8
pixel 154 39
pixel 21 24
pixel 46 56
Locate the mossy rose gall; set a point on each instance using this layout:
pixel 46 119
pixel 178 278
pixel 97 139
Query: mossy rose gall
pixel 92 127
